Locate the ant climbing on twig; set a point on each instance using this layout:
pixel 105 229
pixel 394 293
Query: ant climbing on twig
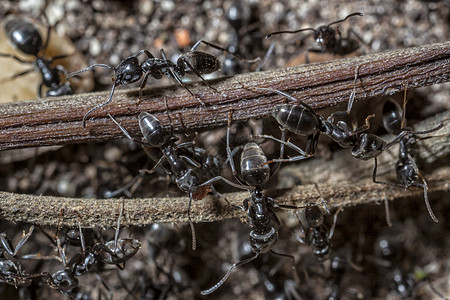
pixel 330 40
pixel 394 121
pixel 26 38
pixel 255 174
pixel 303 120
pixel 160 145
pixel 130 70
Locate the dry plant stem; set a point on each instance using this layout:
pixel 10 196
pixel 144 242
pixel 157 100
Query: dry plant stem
pixel 44 210
pixel 347 181
pixel 58 121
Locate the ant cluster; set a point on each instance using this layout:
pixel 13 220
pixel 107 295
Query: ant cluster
pixel 197 173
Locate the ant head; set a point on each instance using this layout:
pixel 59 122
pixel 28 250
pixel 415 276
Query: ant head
pixel 262 242
pixel 253 170
pixel 123 250
pixel 406 174
pixel 24 35
pixel 152 130
pixel 314 217
pixel 338 265
pixel 128 71
pixel 392 117
pixel 64 280
pixel 324 35
pixel 386 248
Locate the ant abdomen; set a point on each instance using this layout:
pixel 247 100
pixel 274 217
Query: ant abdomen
pixel 24 35
pixel 129 71
pixel 392 117
pixel 152 130
pixel 253 167
pixel 262 241
pixel 314 216
pixel 296 119
pixel 201 62
pixel 370 146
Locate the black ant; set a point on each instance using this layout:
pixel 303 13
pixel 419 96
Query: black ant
pixel 130 70
pixel 317 233
pixel 10 271
pixel 115 252
pixel 303 120
pixel 326 37
pixel 155 136
pixel 407 171
pixel 255 174
pixel 339 265
pixel 26 37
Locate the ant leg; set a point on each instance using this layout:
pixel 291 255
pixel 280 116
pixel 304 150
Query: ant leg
pixel 83 247
pixel 49 31
pixel 333 227
pixel 266 56
pixel 116 235
pixel 221 281
pixel 350 100
pixel 217 178
pixel 126 132
pixel 311 144
pixel 60 57
pixel 39 90
pixel 101 104
pixel 285 255
pixel 221 49
pixel 283 138
pixel 374 176
pixel 290 145
pixel 229 152
pixel 141 87
pixel 16 58
pixel 6 244
pixel 199 76
pixel 386 208
pixel 425 189
pixel 191 224
pixel 191 161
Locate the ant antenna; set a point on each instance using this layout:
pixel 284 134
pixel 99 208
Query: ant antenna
pixel 234 266
pixel 343 20
pixel 88 69
pixel 288 31
pixel 101 104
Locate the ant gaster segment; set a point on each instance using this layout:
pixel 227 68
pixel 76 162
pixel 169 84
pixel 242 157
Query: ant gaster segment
pixel 27 39
pixel 130 70
pixel 330 40
pixel 255 173
pixel 156 136
pixel 10 271
pixel 407 171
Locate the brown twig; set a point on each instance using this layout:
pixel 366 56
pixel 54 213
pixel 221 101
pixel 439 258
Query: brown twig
pixel 58 121
pixel 45 210
pixel 344 181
